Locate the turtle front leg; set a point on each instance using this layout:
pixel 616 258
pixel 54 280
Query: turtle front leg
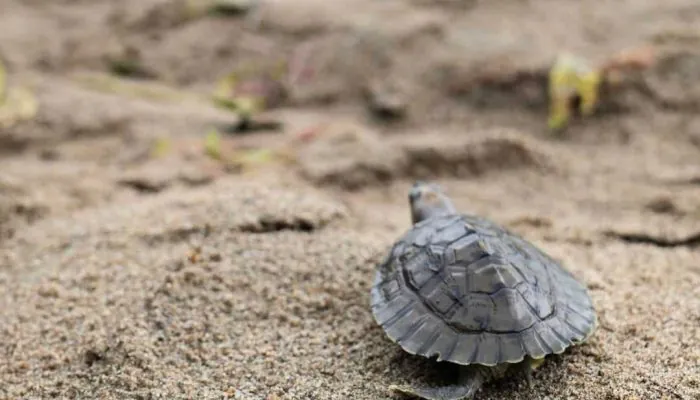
pixel 471 379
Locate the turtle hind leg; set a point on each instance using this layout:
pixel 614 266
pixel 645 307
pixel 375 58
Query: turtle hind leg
pixel 447 392
pixel 469 382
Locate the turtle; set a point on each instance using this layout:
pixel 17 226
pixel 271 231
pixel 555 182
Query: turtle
pixel 458 288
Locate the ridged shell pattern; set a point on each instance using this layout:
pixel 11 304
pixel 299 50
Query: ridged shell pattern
pixel 464 290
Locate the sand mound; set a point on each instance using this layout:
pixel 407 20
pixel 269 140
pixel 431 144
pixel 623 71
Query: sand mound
pixel 471 154
pixel 351 156
pixel 231 312
pixel 179 214
pixel 354 157
pixel 166 315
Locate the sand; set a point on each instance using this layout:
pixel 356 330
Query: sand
pixel 125 275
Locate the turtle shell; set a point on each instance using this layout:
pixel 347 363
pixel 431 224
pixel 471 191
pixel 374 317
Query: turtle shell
pixel 464 290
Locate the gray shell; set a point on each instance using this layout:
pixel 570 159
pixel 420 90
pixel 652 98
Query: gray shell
pixel 469 292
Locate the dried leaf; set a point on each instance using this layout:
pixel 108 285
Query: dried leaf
pixel 212 144
pixel 226 85
pixel 25 103
pixel 16 104
pixel 250 158
pixel 161 147
pixel 571 76
pixel 226 95
pixel 251 89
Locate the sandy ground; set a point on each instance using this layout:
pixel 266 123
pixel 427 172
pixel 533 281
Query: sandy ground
pixel 125 275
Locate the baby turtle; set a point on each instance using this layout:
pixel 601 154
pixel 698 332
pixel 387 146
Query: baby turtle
pixel 460 288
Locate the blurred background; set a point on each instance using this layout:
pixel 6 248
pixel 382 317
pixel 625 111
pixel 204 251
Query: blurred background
pixel 217 86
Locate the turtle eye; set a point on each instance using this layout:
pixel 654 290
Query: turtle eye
pixel 414 194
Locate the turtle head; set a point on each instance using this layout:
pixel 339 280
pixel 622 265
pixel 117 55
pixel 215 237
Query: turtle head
pixel 428 200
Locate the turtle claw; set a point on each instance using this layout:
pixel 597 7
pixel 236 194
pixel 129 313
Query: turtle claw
pixel 527 368
pixel 406 390
pixel 529 380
